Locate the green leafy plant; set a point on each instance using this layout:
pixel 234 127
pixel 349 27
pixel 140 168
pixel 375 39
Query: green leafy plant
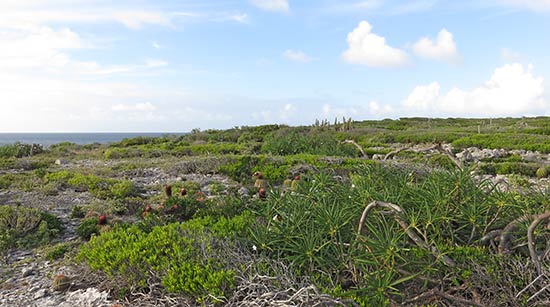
pixel 26 227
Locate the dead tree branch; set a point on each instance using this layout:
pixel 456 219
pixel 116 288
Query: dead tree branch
pixel 436 147
pixel 358 147
pixel 398 211
pixel 531 238
pixel 506 236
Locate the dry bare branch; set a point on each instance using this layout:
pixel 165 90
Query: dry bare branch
pixel 530 238
pixel 397 210
pixel 358 147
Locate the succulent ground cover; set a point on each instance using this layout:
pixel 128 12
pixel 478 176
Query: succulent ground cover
pixel 373 213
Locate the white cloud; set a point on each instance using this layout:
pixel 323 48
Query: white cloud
pixel 272 5
pixel 242 18
pixel 535 5
pixel 512 90
pixel 297 56
pixel 443 48
pixel 367 48
pixel 37 46
pixel 156 45
pixel 375 108
pixel 154 63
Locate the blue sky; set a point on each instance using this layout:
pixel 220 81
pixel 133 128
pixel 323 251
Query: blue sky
pixel 144 65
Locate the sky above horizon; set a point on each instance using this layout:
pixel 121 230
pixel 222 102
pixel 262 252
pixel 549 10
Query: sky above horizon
pixel 176 65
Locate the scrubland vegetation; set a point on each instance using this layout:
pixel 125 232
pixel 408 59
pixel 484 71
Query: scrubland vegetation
pixel 335 227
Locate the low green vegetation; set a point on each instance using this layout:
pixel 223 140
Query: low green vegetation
pixel 183 215
pixel 98 186
pixel 26 227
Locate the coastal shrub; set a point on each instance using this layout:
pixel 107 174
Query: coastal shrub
pixel 240 169
pixel 87 228
pixel 98 186
pixel 315 228
pixel 19 150
pixel 123 189
pixel 525 169
pixel 542 172
pixel 57 251
pixel 505 140
pixel 26 227
pixel 186 258
pixel 290 141
pixel 5 182
pixel 77 212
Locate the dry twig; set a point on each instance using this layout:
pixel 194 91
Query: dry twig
pixel 398 211
pixel 358 147
pixel 530 238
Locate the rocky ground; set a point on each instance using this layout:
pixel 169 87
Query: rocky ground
pixel 27 278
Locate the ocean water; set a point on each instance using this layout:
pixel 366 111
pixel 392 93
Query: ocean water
pixel 47 139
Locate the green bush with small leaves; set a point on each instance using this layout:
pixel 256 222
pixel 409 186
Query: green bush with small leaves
pixel 188 257
pixel 542 172
pixel 26 227
pixel 87 228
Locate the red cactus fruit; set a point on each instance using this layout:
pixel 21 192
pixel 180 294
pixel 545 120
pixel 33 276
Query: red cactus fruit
pixel 297 177
pixel 168 190
pixel 148 208
pixel 102 219
pixel 262 193
pixel 183 191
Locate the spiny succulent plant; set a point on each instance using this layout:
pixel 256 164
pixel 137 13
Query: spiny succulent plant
pixel 61 282
pixel 262 194
pixel 168 190
pixel 102 219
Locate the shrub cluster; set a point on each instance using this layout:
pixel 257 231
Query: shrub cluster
pixel 98 186
pixel 187 257
pixel 26 227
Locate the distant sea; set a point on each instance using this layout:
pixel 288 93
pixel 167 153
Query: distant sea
pixel 47 139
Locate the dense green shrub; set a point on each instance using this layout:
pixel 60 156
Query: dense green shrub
pixel 87 228
pixel 542 172
pixel 290 141
pixel 123 189
pixel 506 141
pixel 315 227
pixel 26 227
pixel 187 258
pixel 100 187
pixel 19 150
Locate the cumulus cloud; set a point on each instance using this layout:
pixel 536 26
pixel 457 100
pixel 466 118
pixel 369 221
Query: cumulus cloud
pixel 37 46
pixel 297 56
pixel 272 5
pixel 378 109
pixel 512 90
pixel 443 48
pixel 367 48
